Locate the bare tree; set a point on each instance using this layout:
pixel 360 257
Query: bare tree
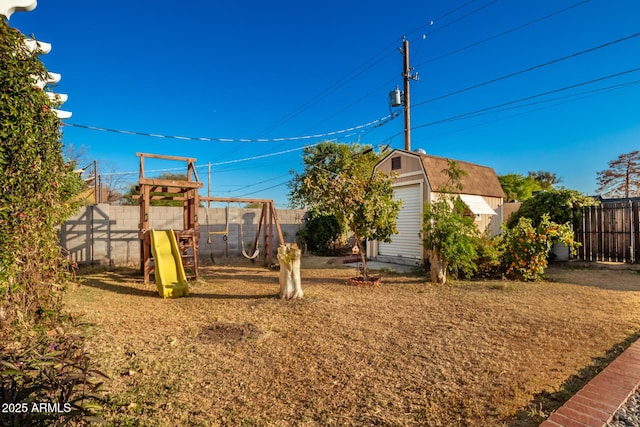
pixel 77 155
pixel 546 179
pixel 114 184
pixel 622 179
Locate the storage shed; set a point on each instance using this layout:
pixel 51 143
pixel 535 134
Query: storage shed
pixel 417 179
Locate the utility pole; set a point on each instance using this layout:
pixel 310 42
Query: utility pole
pixel 407 76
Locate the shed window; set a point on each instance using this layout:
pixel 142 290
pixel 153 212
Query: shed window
pixel 395 163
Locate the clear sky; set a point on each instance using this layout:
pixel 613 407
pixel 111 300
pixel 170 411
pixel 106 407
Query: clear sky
pixel 283 69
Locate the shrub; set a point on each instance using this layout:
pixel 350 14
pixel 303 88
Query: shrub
pixel 49 367
pixel 527 247
pixel 489 257
pixel 321 232
pixel 562 206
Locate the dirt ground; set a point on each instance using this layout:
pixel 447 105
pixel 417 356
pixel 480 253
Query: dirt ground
pixel 405 353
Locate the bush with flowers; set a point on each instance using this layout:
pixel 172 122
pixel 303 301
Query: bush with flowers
pixel 526 248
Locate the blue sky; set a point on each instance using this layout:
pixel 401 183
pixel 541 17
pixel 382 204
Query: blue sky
pixel 271 70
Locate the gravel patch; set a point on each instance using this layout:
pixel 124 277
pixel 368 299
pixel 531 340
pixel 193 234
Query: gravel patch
pixel 629 414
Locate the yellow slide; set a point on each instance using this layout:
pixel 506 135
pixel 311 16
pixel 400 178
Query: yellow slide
pixel 171 280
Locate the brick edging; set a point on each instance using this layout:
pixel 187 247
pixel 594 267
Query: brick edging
pixel 598 401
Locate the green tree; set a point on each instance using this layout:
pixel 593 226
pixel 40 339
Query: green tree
pixel 518 187
pixel 129 198
pixel 450 237
pixel 622 179
pixel 329 158
pixel 563 206
pixel 338 180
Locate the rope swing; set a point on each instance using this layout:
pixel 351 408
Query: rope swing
pixel 244 252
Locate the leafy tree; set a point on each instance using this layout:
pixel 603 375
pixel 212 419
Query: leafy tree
pixel 450 236
pixel 329 158
pixel 36 184
pixel 518 187
pixel 545 179
pixel 338 180
pixel 562 206
pixel 622 179
pixel 129 199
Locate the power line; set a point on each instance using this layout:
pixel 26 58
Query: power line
pixel 377 122
pixel 365 151
pixel 495 36
pixel 369 63
pixel 566 99
pixel 245 159
pixel 478 9
pixel 488 109
pixel 526 70
pixel 504 104
pixel 585 94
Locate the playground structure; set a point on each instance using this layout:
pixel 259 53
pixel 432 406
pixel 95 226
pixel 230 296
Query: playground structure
pixel 268 219
pixel 188 238
pixel 165 189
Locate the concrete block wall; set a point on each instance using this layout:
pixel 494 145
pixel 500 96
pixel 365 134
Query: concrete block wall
pixel 108 234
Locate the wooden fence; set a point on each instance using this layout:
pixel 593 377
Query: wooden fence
pixel 610 232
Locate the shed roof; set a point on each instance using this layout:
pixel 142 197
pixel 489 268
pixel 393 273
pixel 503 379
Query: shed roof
pixel 479 180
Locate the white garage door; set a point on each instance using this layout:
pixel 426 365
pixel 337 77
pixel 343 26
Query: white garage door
pixel 407 243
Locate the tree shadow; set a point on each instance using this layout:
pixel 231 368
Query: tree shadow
pixel 544 403
pixel 120 288
pixel 120 281
pixel 232 296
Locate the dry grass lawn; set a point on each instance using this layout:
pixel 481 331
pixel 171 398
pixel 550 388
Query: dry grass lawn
pixel 405 353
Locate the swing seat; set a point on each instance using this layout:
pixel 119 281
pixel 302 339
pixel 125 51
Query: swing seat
pixel 254 256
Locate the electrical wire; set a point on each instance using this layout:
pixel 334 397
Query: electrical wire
pixel 526 70
pixel 504 33
pixel 368 64
pixel 390 81
pixel 565 100
pixel 245 159
pixel 365 151
pixel 488 109
pixel 504 104
pixel 478 9
pixel 377 122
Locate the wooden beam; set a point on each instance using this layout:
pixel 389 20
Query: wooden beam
pixel 231 200
pixel 170 183
pixel 162 156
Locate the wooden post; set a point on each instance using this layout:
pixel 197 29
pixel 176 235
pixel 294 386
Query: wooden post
pixel 278 229
pixel 270 236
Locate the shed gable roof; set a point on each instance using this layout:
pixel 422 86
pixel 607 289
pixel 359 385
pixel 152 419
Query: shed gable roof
pixel 479 180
